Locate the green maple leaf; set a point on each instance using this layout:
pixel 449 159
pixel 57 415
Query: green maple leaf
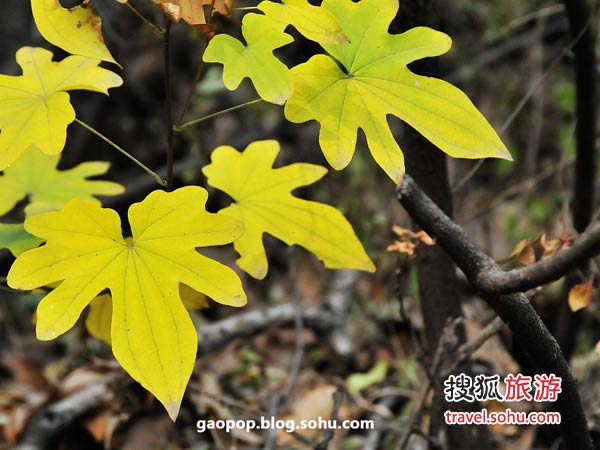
pixel 35 107
pixel 265 204
pixel 271 78
pixel 313 22
pixel 263 34
pixel 36 175
pixel 152 335
pixel 374 82
pixel 14 237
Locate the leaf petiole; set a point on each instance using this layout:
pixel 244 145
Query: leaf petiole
pixel 191 123
pixel 153 174
pixel 157 31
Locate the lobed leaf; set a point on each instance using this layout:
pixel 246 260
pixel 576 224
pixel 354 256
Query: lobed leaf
pixel 99 319
pixel 152 335
pixel 36 175
pixel 35 107
pixel 14 237
pixel 264 203
pixel 271 78
pixel 76 30
pixel 374 82
pixel 313 22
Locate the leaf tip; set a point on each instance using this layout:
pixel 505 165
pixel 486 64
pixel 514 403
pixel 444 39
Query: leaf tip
pixel 45 334
pixel 173 409
pixel 506 155
pixel 238 300
pixel 369 266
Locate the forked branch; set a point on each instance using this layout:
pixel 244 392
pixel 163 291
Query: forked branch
pixel 514 309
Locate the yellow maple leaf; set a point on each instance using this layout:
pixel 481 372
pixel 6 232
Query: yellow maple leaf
pixel 99 319
pixel 35 107
pixel 359 84
pixel 152 334
pixel 77 30
pixel 264 203
pixel 264 34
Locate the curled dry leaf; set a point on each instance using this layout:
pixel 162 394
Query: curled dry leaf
pixel 526 252
pixel 551 246
pixel 191 11
pixel 526 255
pixel 580 295
pixel 409 240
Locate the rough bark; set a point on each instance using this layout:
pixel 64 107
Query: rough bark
pixel 514 309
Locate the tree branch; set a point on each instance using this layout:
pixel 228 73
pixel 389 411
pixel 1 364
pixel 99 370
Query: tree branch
pixel 54 419
pixel 323 318
pixel 493 280
pixel 514 309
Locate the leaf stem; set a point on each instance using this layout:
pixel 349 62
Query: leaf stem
pixel 153 174
pixel 191 123
pixel 157 31
pixel 199 70
pixel 190 94
pixel 168 105
pixel 245 8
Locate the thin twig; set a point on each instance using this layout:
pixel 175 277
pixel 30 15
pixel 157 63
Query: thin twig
pixel 445 341
pixel 191 123
pixel 168 104
pixel 338 397
pixel 192 89
pixel 199 70
pixel 532 89
pixel 296 363
pixel 157 31
pixel 153 174
pixel 466 350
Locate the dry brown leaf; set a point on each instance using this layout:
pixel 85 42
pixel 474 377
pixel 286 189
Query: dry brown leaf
pixel 221 6
pixel 79 379
pixel 192 11
pixel 97 426
pixel 580 295
pixel 409 240
pixel 312 404
pixel 551 246
pixel 149 433
pixel 597 348
pixel 407 248
pixel 527 255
